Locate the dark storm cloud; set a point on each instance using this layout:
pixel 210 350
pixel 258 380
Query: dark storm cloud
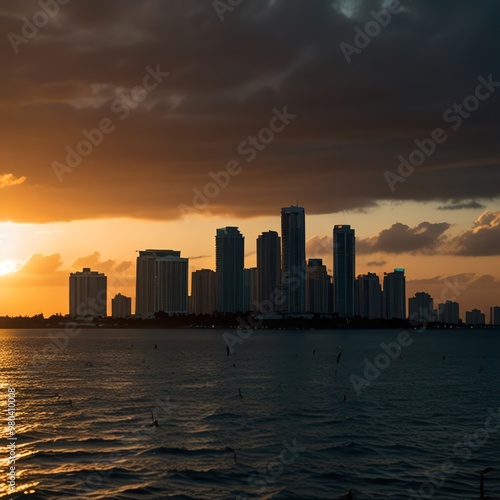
pixel 400 238
pixel 353 120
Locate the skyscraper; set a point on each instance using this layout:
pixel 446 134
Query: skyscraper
pixel 317 282
pixel 368 296
pixel 394 295
pixel 203 286
pixel 293 254
pixel 146 302
pixel 268 270
pixel 229 262
pixel 171 292
pixel 87 293
pixel 344 268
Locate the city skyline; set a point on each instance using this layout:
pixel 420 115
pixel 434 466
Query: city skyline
pixel 307 286
pixel 127 283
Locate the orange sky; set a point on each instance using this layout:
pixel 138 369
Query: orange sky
pixel 45 254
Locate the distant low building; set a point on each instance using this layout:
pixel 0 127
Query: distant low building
pixel 121 306
pixel 495 315
pixel 449 312
pixel 475 317
pixel 421 308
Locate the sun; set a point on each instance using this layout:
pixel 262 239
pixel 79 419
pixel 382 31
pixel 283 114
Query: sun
pixel 9 266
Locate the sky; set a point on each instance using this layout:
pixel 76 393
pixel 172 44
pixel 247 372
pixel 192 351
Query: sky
pixel 131 125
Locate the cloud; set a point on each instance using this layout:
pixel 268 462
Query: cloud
pixel 50 270
pixel 377 263
pixel 427 238
pixel 352 120
pixel 483 239
pixel 465 205
pixel 8 180
pixel 42 265
pixel 109 267
pixel 468 289
pixel 319 246
pixel 199 257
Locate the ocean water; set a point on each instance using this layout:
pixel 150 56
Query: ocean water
pixel 278 419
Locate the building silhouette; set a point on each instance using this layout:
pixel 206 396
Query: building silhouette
pixel 203 286
pixel 250 289
pixel 495 315
pixel 229 263
pixel 121 306
pixel 268 271
pixel 87 293
pixel 449 312
pixel 368 296
pixel 293 260
pixel 344 268
pixel 317 283
pixel 171 287
pixel 421 308
pixel 475 317
pixel 152 293
pixel 394 295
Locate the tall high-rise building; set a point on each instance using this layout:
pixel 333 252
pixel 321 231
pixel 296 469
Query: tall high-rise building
pixel 229 263
pixel 268 270
pixel 171 292
pixel 394 295
pixel 368 296
pixel 344 268
pixel 146 302
pixel 203 286
pixel 250 289
pixel 87 293
pixel 421 308
pixel 293 259
pixel 317 282
pixel 121 306
pixel 449 312
pixel 475 317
